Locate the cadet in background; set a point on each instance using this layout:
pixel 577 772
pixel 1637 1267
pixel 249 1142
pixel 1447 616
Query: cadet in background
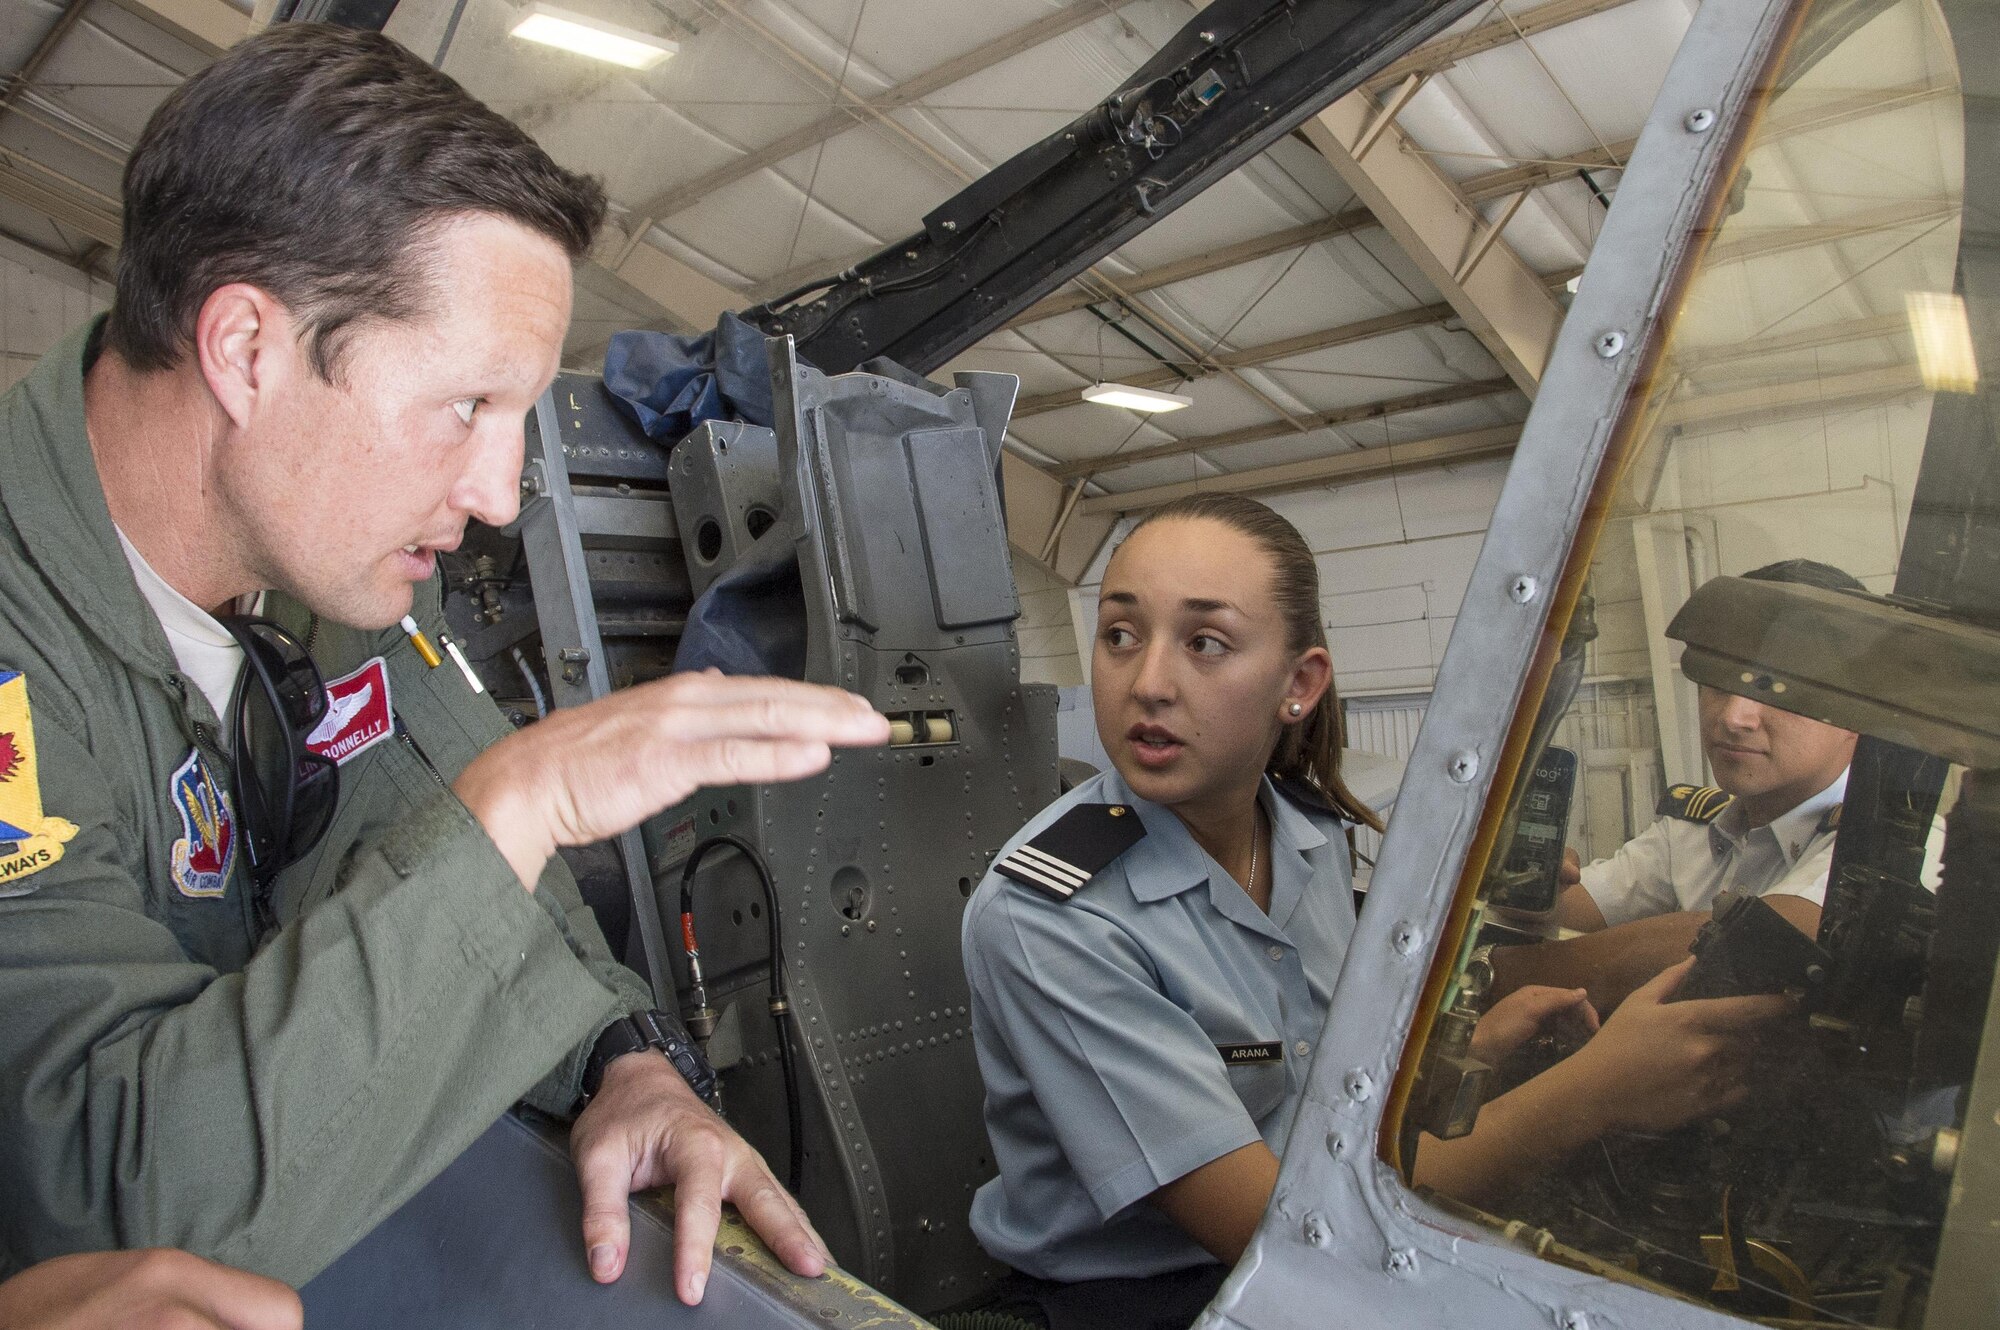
pixel 1765 828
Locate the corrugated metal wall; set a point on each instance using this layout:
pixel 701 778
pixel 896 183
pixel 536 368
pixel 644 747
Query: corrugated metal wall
pixel 40 300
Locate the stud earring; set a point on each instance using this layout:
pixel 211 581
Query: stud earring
pixel 1297 710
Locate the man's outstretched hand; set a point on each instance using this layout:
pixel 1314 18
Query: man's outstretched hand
pixel 646 1128
pixel 587 773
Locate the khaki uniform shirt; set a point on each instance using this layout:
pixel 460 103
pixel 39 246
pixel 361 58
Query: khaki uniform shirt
pixel 174 1069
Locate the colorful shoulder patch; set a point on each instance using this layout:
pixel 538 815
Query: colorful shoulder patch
pixel 1694 803
pixel 1074 848
pixel 29 840
pixel 206 851
pixel 357 714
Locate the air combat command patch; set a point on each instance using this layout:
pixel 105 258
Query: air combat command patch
pixel 29 842
pixel 206 851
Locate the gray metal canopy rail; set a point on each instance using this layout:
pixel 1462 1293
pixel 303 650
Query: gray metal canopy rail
pixel 1240 75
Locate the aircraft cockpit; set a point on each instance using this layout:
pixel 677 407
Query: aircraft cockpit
pixel 1773 634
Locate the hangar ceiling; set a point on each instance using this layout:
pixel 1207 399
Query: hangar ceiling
pixel 1372 293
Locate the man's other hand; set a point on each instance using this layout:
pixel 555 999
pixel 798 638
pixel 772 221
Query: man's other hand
pixel 159 1289
pixel 1659 1064
pixel 646 1128
pixel 587 773
pixel 1571 871
pixel 1527 1012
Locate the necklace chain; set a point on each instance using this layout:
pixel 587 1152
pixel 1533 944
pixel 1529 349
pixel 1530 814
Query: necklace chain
pixel 1254 838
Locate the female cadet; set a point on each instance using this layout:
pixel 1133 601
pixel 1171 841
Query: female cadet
pixel 1153 956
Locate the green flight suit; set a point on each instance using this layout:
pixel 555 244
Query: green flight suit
pixel 172 1071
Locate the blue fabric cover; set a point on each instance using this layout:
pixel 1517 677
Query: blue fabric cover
pixel 752 619
pixel 670 383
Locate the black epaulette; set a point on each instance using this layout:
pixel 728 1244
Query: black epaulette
pixel 1694 803
pixel 1074 848
pixel 1828 821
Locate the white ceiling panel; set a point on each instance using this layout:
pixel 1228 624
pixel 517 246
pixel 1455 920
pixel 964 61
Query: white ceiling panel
pixel 751 74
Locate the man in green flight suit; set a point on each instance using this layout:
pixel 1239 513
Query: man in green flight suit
pixel 343 284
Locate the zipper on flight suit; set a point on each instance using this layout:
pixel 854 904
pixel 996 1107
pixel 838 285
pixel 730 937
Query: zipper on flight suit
pixel 409 741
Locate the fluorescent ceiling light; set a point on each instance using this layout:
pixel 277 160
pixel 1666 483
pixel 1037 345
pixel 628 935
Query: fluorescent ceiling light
pixel 592 37
pixel 1135 399
pixel 1944 341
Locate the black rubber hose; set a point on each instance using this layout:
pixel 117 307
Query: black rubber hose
pixel 780 997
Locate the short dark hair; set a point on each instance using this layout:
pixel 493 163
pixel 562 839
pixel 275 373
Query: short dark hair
pixel 1807 572
pixel 314 162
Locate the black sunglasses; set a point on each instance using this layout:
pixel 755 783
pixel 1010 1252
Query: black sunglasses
pixel 284 792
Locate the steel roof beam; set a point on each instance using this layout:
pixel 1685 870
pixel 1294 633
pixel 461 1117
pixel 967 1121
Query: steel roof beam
pixel 1441 53
pixel 861 110
pixel 210 26
pixel 1231 256
pixel 1339 416
pixel 1505 303
pixel 1480 188
pixel 1764 241
pixel 22 77
pixel 1304 344
pixel 1835 112
pixel 1350 467
pixel 59 198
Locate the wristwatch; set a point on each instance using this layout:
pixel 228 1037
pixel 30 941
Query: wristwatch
pixel 643 1030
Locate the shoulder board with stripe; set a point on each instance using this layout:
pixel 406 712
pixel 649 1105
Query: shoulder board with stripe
pixel 1828 821
pixel 1066 854
pixel 1694 803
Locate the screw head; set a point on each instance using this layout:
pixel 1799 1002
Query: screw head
pixel 1406 938
pixel 1522 589
pixel 1401 1262
pixel 1336 1144
pixel 1573 1321
pixel 1315 1230
pixel 1359 1085
pixel 1464 766
pixel 1610 344
pixel 1700 121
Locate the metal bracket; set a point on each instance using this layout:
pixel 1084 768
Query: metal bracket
pixel 572 648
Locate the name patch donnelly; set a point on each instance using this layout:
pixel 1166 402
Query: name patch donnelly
pixel 357 714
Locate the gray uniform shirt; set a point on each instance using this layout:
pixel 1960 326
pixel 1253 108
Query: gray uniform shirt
pixel 1677 865
pixel 1100 1022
